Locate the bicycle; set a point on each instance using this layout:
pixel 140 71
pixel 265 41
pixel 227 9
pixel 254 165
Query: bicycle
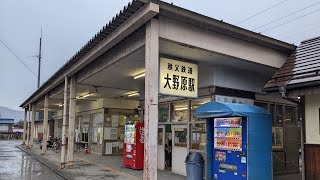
pixel 56 146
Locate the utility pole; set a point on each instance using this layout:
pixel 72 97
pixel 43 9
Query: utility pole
pixel 39 56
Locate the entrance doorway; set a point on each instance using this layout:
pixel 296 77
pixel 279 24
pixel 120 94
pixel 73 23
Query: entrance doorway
pixel 179 148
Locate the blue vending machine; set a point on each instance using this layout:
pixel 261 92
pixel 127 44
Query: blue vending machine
pixel 239 141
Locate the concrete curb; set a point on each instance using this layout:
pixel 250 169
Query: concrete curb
pixel 48 164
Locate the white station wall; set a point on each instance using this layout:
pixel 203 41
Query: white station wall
pixel 312 105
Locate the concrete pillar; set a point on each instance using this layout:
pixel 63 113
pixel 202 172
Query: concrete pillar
pixel 24 126
pixel 72 118
pixel 90 130
pixel 64 124
pixel 45 124
pixel 29 126
pixel 151 100
pixel 32 125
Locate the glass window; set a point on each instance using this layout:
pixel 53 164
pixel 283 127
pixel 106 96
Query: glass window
pixel 290 113
pixel 179 111
pixel 198 136
pixel 279 115
pixel 160 136
pixel 263 105
pixel 163 112
pixel 195 104
pixel 84 136
pixel 180 137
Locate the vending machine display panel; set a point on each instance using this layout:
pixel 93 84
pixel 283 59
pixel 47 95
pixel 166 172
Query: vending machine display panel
pixel 230 148
pixel 130 134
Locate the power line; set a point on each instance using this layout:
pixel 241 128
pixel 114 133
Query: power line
pixel 305 29
pixel 305 33
pixel 286 16
pixel 290 21
pixel 18 57
pixel 261 12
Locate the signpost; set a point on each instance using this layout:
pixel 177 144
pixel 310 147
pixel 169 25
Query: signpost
pixel 178 78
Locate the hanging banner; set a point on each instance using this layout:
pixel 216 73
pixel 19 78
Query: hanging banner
pixel 178 78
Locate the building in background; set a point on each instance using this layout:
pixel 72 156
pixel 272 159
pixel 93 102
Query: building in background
pixel 299 80
pixel 6 126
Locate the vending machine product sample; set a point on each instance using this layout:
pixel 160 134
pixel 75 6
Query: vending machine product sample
pixel 133 155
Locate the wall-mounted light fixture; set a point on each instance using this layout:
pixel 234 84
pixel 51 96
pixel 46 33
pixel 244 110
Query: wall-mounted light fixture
pixel 60 105
pixel 133 94
pixel 83 96
pixel 139 75
pixel 181 108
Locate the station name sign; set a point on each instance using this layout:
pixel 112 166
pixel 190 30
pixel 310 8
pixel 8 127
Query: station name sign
pixel 178 78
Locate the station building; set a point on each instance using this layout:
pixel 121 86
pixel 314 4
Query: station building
pixel 298 80
pixel 156 62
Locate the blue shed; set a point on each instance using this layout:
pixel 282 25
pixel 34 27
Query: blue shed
pixel 239 141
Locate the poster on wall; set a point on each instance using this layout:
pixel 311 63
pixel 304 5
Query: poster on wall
pixel 178 78
pixel 95 135
pixel 115 120
pixel 100 132
pixel 277 137
pixel 98 119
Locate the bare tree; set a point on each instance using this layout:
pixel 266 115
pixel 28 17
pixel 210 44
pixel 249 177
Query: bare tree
pixel 20 123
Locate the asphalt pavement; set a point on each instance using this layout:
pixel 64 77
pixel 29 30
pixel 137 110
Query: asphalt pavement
pixel 15 164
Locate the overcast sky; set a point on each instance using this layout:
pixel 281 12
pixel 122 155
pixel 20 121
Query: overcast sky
pixel 68 25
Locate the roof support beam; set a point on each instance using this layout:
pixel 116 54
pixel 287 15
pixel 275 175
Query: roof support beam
pixel 126 48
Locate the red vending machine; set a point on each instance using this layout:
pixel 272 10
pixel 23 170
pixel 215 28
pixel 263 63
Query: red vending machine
pixel 133 155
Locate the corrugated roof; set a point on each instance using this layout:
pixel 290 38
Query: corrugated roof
pixel 302 67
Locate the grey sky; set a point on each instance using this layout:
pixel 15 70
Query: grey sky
pixel 68 25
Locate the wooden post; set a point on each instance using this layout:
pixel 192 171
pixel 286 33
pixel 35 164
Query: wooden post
pixel 32 125
pixel 72 118
pixel 151 100
pixel 45 124
pixel 64 124
pixel 24 126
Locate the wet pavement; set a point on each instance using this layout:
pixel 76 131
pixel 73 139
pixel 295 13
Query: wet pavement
pixel 15 164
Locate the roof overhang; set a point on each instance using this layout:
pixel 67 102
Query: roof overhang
pixel 131 18
pixel 188 16
pixel 102 42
